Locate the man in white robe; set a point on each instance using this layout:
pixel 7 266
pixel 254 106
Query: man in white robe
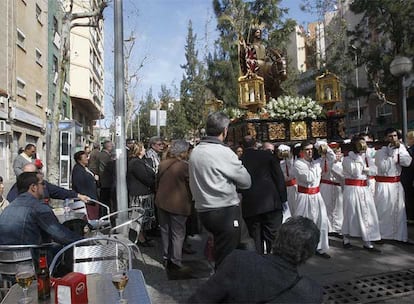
pixel 286 164
pixel 360 215
pixel 389 192
pixel 309 202
pixel 331 190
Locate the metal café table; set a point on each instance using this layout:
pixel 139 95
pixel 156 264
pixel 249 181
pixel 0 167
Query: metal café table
pixel 100 290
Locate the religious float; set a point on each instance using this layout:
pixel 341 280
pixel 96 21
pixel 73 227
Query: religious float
pixel 265 113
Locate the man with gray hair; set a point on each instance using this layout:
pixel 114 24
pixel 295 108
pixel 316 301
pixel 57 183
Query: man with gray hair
pixel 155 148
pixel 215 175
pixel 274 277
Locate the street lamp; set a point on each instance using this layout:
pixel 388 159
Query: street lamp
pixel 400 67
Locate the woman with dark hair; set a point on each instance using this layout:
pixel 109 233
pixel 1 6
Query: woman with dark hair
pixel 83 181
pixel 141 185
pixel 239 151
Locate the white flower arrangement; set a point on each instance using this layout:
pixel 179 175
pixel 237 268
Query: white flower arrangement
pixel 293 108
pixel 234 113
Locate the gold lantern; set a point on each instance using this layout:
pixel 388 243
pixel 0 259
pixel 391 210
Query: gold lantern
pixel 251 92
pixel 328 90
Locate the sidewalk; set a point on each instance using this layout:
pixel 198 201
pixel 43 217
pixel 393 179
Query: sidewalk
pixel 350 276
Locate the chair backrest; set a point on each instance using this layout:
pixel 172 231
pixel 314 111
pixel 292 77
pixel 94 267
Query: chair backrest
pixel 13 255
pixel 97 255
pixel 102 205
pixel 79 207
pixel 132 219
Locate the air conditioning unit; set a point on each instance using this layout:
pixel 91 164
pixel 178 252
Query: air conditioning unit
pixel 3 100
pixel 48 112
pixel 56 40
pixel 66 88
pixel 4 127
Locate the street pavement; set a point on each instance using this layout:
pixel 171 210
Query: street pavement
pixel 350 276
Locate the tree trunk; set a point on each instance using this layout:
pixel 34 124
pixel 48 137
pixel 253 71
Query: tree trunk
pixel 63 60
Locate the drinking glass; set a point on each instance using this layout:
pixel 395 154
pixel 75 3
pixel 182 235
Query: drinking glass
pixel 24 277
pixel 120 280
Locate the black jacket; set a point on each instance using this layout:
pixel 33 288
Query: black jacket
pixel 247 277
pixel 83 182
pixel 268 190
pixel 140 177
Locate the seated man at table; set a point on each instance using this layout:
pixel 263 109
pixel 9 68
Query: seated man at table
pixel 49 191
pixel 28 220
pixel 275 277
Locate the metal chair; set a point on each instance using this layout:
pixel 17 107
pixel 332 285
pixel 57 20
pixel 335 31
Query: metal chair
pixel 135 217
pixel 79 207
pixel 96 255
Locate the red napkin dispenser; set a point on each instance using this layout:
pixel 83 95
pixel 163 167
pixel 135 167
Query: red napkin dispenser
pixel 71 289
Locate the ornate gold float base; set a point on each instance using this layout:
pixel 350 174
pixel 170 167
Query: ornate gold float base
pixel 331 128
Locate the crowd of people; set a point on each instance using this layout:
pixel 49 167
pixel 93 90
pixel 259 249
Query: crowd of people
pixel 254 196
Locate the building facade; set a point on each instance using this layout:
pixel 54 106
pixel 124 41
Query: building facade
pixel 86 73
pixel 24 82
pixel 29 54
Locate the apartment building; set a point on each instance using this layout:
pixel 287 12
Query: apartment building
pixel 86 72
pixel 296 49
pixel 55 15
pixel 5 83
pixel 23 83
pixel 363 113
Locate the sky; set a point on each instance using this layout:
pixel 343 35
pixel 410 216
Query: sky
pixel 160 29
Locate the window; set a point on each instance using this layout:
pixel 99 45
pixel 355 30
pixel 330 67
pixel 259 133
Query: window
pixel 39 57
pixel 55 26
pixel 384 110
pixel 21 88
pixel 21 37
pixel 39 14
pixel 55 64
pixel 39 101
pixel 91 88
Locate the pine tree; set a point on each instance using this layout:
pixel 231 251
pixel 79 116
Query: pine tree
pixel 177 125
pixel 193 85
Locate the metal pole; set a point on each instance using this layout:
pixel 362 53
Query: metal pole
pixel 357 86
pixel 158 118
pixel 404 107
pixel 139 131
pixel 121 190
pixel 131 134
